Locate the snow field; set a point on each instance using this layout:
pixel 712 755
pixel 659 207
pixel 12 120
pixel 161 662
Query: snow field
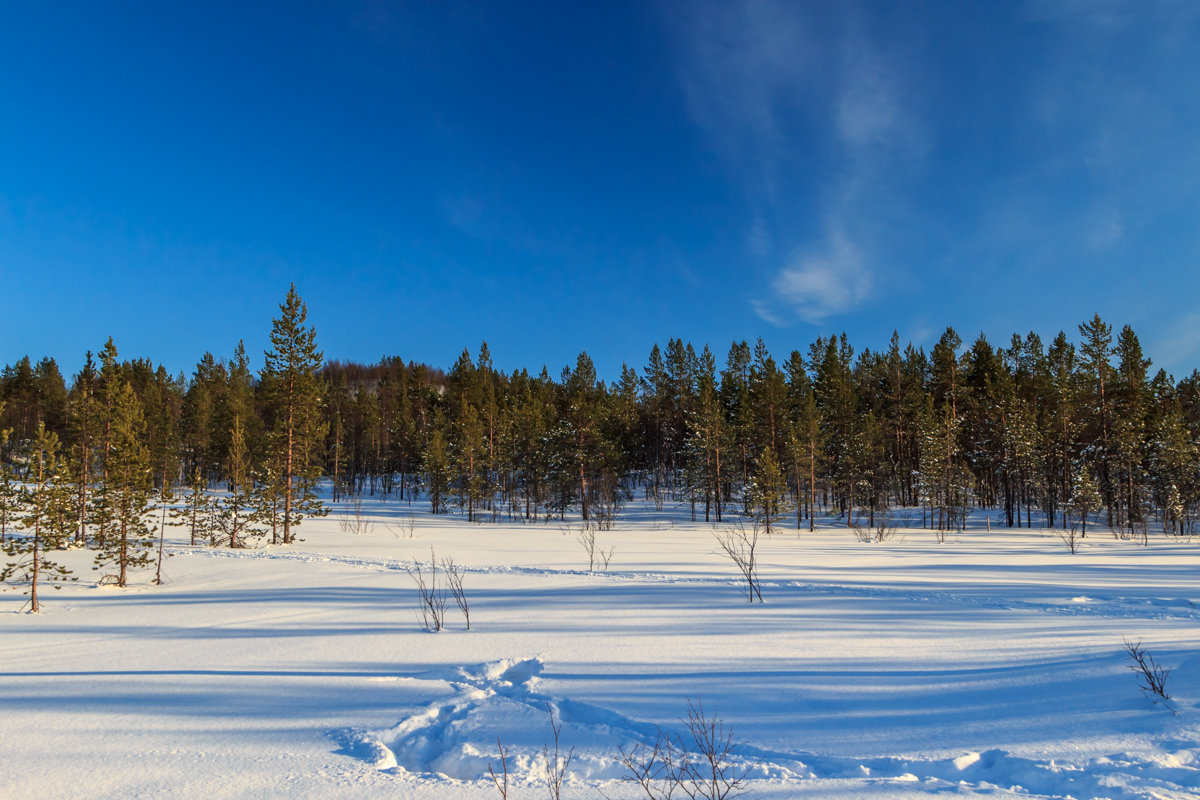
pixel 990 664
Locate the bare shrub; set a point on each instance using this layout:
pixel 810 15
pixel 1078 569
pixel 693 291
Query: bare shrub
pixel 432 603
pixel 405 530
pixel 606 507
pixel 881 530
pixel 885 526
pixel 740 545
pixel 1152 679
pixel 554 762
pixel 652 767
pixel 699 763
pixel 454 577
pixel 502 781
pixel 705 768
pixel 1071 537
pixel 354 520
pixel 595 553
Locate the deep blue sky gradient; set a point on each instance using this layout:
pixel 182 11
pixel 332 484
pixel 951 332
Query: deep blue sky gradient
pixel 553 177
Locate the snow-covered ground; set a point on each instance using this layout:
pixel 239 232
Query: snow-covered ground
pixel 990 664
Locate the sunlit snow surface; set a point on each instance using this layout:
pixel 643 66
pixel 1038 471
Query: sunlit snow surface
pixel 991 664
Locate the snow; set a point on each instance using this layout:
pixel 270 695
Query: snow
pixel 992 664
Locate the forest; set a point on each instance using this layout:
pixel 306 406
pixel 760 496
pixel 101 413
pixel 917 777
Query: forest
pixel 1061 435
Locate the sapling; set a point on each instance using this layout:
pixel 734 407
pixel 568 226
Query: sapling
pixel 1152 679
pixel 740 545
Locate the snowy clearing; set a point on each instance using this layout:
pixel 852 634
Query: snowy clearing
pixel 991 664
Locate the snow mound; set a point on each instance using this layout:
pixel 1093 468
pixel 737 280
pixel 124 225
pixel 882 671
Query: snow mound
pixel 495 704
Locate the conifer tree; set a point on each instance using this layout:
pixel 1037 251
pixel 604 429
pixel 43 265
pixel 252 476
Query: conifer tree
pixel 166 503
pixel 248 501
pixel 468 447
pixel 437 465
pixel 1060 425
pixel 84 417
pixel 735 396
pixel 1130 408
pixel 1095 349
pixel 838 411
pixel 708 431
pixel 583 411
pixel 804 437
pixel 768 489
pixel 290 376
pixel 47 522
pixel 127 489
pixel 1085 497
pixel 108 384
pixel 10 499
pixel 10 494
pixel 196 512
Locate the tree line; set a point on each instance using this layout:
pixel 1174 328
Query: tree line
pixel 1046 435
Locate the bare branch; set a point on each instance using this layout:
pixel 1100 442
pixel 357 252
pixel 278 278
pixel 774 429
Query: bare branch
pixel 740 545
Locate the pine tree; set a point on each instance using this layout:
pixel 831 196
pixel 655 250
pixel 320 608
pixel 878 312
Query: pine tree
pixel 248 501
pixel 735 396
pixel 768 490
pixel 1130 407
pixel 10 494
pixel 290 375
pixel 582 414
pixel 166 503
pixel 1096 349
pixel 1085 498
pixel 197 508
pixel 127 489
pixel 84 418
pixel 708 432
pixel 108 384
pixel 437 465
pixel 468 449
pixel 10 500
pixel 804 437
pixel 47 521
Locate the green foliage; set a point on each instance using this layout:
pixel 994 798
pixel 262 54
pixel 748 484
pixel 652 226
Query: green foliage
pixel 127 490
pixel 46 503
pixel 767 492
pixel 853 433
pixel 294 398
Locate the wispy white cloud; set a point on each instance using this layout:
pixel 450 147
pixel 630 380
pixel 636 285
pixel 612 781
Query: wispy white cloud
pixel 766 315
pixel 745 69
pixel 830 281
pixel 758 239
pixel 779 87
pixel 867 111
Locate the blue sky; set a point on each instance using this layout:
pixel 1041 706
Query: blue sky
pixel 554 177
